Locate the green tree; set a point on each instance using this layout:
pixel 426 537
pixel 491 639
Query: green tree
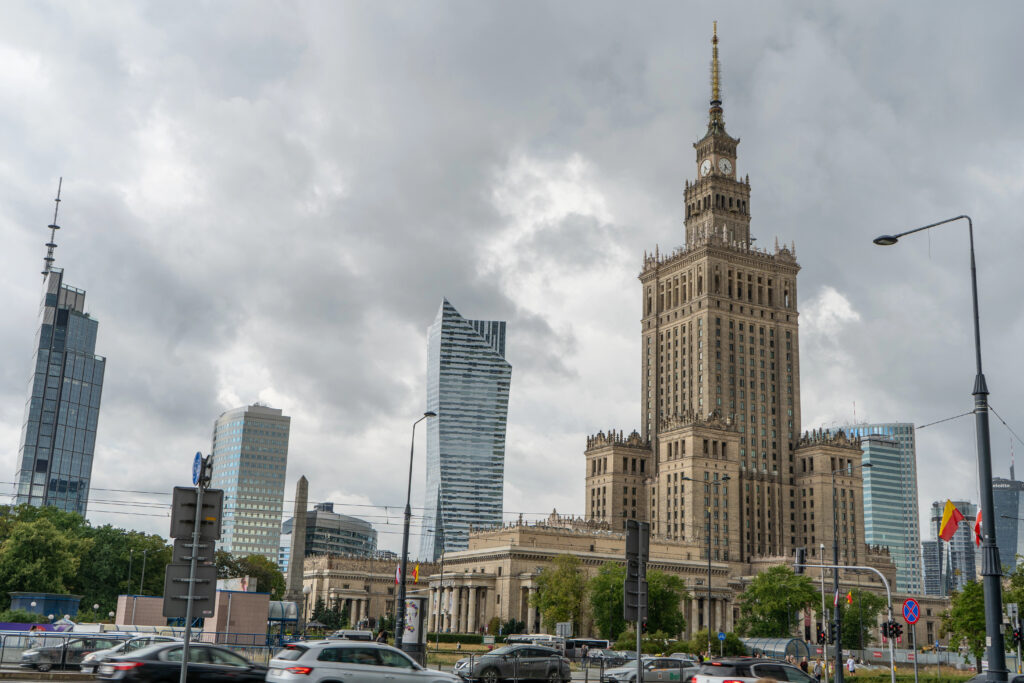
pixel 860 617
pixel 699 643
pixel 1013 591
pixel 38 556
pixel 771 602
pixel 965 619
pixel 269 578
pixel 605 591
pixel 560 591
pixel 665 592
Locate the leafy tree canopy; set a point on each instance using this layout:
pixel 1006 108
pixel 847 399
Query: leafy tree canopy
pixel 269 578
pixel 860 618
pixel 606 600
pixel 37 556
pixel 965 619
pixel 772 600
pixel 560 590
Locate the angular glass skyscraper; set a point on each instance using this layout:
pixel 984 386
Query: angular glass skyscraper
pixel 890 497
pixel 1008 500
pixel 58 437
pixel 468 382
pixel 250 459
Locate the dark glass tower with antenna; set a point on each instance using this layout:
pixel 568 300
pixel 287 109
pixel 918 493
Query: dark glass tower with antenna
pixel 58 436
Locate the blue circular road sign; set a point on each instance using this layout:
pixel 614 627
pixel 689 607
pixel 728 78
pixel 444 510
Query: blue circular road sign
pixel 197 469
pixel 721 636
pixel 911 610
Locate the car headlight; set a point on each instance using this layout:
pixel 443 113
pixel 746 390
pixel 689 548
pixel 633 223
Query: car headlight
pixel 29 653
pixel 89 657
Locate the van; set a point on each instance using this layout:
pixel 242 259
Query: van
pixel 351 634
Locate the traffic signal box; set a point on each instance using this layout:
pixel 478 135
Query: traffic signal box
pixel 177 576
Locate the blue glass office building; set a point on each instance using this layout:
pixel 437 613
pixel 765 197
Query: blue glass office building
pixel 1008 500
pixel 468 382
pixel 58 437
pixel 890 497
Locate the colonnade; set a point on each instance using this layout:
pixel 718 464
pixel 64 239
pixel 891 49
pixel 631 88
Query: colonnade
pixel 458 609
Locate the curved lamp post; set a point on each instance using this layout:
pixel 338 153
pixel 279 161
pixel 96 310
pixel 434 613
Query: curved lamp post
pixel 990 567
pixel 400 607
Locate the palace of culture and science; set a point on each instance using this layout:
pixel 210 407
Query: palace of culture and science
pixel 718 465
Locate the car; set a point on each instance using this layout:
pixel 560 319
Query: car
pixel 161 663
pixel 748 670
pixel 515 663
pixel 610 658
pixel 53 653
pixel 655 669
pixel 92 660
pixel 349 660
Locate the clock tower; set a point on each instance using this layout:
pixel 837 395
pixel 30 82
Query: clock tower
pixel 717 203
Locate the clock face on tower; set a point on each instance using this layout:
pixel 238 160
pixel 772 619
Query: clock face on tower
pixel 725 166
pixel 705 167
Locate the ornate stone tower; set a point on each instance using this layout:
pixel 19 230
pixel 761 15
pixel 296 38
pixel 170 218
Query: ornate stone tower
pixel 720 368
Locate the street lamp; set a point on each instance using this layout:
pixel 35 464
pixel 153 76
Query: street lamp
pixel 836 616
pixel 400 611
pixel 306 590
pixel 990 567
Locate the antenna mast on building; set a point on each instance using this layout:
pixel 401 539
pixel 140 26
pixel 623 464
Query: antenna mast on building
pixel 52 244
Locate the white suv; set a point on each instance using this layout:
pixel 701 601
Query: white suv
pixel 748 670
pixel 335 661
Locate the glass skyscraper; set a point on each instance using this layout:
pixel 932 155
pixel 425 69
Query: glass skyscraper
pixel 58 437
pixel 1008 499
pixel 890 497
pixel 250 458
pixel 468 382
pixel 956 558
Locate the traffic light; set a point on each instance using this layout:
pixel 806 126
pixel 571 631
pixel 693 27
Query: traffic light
pixel 831 632
pixel 821 636
pixel 885 629
pixel 896 629
pixel 643 625
pixel 800 561
pixel 1018 636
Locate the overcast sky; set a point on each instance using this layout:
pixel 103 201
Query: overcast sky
pixel 268 201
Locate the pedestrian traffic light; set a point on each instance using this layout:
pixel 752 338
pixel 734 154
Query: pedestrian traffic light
pixel 643 625
pixel 1018 636
pixel 885 629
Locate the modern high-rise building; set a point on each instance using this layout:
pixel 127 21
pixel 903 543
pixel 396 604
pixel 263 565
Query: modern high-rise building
pixel 891 517
pixel 250 458
pixel 468 382
pixel 58 436
pixel 1008 499
pixel 931 563
pixel 956 557
pixel 330 533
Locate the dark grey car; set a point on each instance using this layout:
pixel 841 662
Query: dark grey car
pixel 515 663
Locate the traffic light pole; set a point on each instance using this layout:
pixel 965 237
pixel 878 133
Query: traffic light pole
pixel 192 581
pixel 888 600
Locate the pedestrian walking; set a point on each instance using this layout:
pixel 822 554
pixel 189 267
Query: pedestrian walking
pixel 817 668
pixel 803 665
pixel 851 665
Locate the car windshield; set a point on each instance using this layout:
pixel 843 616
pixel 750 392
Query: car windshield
pixel 507 650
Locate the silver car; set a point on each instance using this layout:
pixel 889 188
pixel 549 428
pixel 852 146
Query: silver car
pixel 92 660
pixel 655 669
pixel 349 660
pixel 515 663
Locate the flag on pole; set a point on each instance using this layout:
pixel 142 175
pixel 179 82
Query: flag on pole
pixel 977 528
pixel 835 600
pixel 849 598
pixel 951 518
pixel 398 574
pixel 416 574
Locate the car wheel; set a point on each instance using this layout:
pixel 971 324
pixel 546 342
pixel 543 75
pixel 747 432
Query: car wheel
pixel 44 667
pixel 490 676
pixel 554 677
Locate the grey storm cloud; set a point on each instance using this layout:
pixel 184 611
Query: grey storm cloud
pixel 268 201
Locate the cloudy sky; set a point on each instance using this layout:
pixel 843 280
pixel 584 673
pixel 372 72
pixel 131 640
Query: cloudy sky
pixel 266 201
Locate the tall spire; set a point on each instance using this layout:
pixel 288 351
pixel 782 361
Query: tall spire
pixel 715 120
pixel 52 244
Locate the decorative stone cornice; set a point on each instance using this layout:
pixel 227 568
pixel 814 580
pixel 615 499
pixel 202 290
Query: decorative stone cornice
pixel 690 418
pixel 616 438
pixel 824 437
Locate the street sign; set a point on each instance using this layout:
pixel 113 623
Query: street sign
pixel 183 513
pixel 721 636
pixel 911 610
pixel 1011 610
pixel 197 469
pixel 176 590
pixel 910 656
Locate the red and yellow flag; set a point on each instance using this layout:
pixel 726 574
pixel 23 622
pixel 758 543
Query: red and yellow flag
pixel 951 518
pixel 416 574
pixel 849 598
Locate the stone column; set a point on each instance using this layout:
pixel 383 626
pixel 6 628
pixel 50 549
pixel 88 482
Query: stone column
pixel 472 625
pixel 449 619
pixel 458 610
pixel 532 621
